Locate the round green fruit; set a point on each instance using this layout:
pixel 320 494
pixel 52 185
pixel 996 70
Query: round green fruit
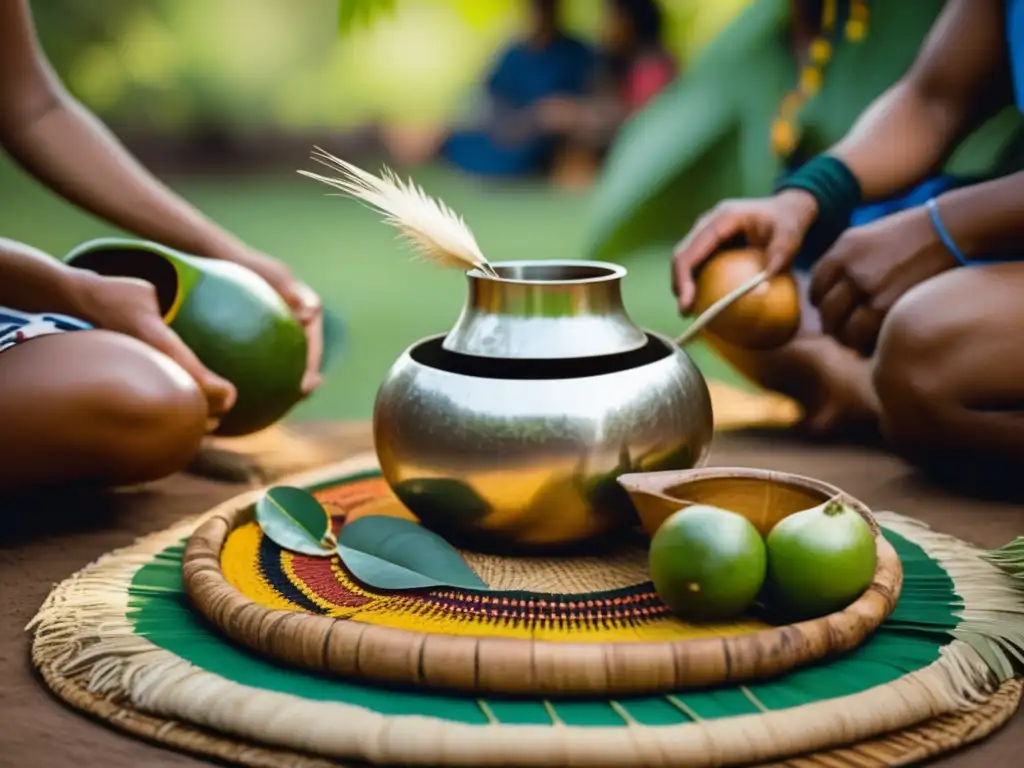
pixel 819 560
pixel 237 325
pixel 707 564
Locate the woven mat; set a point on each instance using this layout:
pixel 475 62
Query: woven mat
pixel 907 747
pixel 123 624
pixel 48 537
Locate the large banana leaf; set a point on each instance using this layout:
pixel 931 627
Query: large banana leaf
pixel 692 145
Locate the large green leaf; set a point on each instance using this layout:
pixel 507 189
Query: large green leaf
pixel 395 554
pixel 677 156
pixel 295 520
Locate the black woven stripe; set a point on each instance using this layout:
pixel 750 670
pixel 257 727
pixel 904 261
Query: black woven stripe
pixel 270 568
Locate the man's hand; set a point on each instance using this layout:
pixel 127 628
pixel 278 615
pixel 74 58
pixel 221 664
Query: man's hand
pixel 130 306
pixel 869 268
pixel 777 225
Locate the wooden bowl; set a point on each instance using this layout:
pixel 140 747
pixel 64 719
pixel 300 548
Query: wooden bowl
pixel 762 496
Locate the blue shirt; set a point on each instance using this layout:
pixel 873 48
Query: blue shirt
pixel 1015 48
pixel 523 76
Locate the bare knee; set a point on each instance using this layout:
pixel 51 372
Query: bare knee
pixel 915 376
pixel 100 406
pixel 153 414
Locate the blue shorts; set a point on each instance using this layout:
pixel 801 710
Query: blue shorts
pixel 17 327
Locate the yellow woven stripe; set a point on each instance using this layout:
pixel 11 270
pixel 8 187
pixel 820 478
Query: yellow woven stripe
pixel 240 562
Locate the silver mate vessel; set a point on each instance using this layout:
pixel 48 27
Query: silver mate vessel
pixel 509 431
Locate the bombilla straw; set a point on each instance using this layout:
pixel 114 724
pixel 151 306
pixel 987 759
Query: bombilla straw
pixel 720 306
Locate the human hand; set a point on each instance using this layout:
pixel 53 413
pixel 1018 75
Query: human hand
pixel 558 113
pixel 130 306
pixel 300 298
pixel 776 225
pixel 869 268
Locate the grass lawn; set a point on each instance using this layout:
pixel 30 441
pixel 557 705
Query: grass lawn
pixel 357 265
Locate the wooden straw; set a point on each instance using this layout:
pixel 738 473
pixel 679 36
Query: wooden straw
pixel 709 314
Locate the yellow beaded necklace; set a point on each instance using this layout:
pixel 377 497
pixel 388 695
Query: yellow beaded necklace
pixel 785 134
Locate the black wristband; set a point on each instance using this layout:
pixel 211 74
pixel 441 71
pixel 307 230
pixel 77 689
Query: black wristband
pixel 837 193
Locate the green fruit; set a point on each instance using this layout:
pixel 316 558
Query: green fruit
pixel 235 323
pixel 820 560
pixel 707 564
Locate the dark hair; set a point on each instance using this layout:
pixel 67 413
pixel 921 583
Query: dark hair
pixel 547 7
pixel 645 16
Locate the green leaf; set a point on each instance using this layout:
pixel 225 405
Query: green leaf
pixel 391 553
pixel 695 143
pixel 296 521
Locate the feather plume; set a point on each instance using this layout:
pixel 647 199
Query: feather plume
pixel 436 232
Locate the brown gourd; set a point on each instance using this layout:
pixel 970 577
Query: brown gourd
pixel 765 318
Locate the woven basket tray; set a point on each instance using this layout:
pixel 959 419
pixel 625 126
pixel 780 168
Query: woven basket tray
pixel 556 626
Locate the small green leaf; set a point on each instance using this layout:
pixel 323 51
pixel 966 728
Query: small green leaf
pixel 296 521
pixel 391 553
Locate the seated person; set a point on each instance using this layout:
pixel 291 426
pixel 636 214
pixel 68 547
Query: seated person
pixel 93 386
pixel 635 66
pixel 911 319
pixel 509 138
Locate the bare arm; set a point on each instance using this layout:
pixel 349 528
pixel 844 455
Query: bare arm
pixel 33 281
pixel 65 147
pixel 958 78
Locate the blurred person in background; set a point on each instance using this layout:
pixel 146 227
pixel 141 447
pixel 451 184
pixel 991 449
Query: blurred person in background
pixel 507 137
pixel 635 66
pixel 93 385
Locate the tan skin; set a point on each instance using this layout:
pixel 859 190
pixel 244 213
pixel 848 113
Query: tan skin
pixel 895 333
pixel 128 402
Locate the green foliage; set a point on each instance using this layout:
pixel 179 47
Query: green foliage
pixel 244 65
pixel 705 138
pixel 352 13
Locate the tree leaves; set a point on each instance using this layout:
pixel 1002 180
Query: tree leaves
pixel 381 551
pixel 353 13
pixel 294 520
pixel 695 144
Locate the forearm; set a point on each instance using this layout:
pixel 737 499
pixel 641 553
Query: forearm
pixel 70 151
pixel 986 221
pixel 33 281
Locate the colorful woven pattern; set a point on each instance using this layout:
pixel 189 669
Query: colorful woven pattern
pixel 581 599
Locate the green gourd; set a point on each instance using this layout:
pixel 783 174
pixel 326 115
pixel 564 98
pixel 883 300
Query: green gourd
pixel 232 319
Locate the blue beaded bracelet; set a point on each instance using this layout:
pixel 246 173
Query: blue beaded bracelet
pixel 947 240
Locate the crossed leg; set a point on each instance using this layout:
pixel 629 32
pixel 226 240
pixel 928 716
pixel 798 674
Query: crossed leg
pixel 949 371
pixel 94 406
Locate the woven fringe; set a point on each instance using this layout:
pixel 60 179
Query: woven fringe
pixel 992 618
pixel 83 629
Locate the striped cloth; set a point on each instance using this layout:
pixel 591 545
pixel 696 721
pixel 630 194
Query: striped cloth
pixel 16 326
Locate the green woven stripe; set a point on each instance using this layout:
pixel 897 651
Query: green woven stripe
pixel 910 640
